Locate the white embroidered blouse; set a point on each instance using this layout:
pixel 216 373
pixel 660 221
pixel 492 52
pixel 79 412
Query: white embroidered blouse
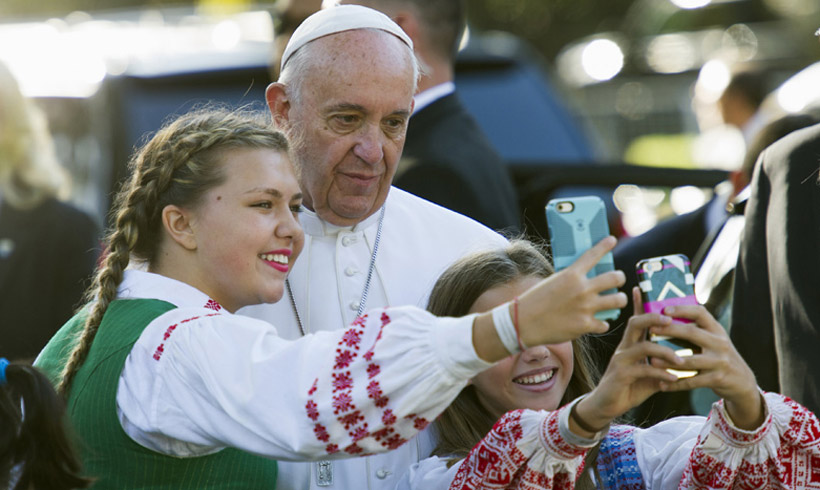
pixel 200 379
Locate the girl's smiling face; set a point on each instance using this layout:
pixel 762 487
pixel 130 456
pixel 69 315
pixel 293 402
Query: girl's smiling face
pixel 536 378
pixel 247 229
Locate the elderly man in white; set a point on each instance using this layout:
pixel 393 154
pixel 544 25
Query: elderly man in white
pixel 344 97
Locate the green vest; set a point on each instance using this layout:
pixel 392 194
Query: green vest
pixel 107 452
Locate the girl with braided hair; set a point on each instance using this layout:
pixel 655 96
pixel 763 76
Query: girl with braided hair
pixel 168 388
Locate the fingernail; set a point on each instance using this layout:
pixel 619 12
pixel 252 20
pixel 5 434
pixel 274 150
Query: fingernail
pixel 678 360
pixel 669 310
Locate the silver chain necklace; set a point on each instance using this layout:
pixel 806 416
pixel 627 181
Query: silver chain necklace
pixel 363 301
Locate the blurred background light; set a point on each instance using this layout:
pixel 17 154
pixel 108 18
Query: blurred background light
pixel 226 35
pixel 800 90
pixel 713 78
pixel 602 59
pixel 691 4
pixel 687 198
pixel 671 53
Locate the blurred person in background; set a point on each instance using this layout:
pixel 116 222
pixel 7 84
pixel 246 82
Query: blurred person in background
pixel 287 15
pixel 447 158
pixel 741 100
pixel 48 248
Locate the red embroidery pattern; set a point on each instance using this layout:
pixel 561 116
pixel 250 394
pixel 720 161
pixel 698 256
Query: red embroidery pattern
pixel 351 338
pixel 168 331
pixel 321 432
pixel 368 356
pixel 312 410
pixel 497 462
pixel 213 305
pixel 342 382
pixel 796 464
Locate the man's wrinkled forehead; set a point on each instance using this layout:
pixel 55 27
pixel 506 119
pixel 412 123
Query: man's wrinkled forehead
pixel 338 19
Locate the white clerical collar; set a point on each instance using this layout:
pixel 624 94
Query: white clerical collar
pixel 315 226
pixel 139 284
pixel 432 94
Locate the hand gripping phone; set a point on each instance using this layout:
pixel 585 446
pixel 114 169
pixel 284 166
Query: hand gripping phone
pixel 576 224
pixel 667 281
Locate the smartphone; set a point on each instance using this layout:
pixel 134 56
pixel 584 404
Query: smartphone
pixel 667 281
pixel 575 224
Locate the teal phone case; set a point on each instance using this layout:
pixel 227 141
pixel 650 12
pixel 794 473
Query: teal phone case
pixel 575 224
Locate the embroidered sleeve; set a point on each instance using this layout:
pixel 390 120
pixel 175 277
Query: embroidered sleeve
pixel 525 450
pixel 783 453
pixel 230 381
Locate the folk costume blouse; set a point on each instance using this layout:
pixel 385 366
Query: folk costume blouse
pixel 200 379
pixel 536 450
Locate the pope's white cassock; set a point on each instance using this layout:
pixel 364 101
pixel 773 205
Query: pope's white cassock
pixel 419 240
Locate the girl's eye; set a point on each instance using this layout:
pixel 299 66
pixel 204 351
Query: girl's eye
pixel 264 205
pixel 296 208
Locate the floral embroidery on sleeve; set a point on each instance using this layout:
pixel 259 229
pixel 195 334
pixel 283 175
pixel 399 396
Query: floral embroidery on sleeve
pixel 783 453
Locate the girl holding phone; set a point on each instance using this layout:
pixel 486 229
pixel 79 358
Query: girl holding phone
pixel 537 420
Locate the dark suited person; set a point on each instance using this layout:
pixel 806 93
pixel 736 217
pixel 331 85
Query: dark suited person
pixel 776 309
pixel 447 159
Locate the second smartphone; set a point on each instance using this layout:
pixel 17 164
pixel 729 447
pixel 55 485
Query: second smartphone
pixel 667 281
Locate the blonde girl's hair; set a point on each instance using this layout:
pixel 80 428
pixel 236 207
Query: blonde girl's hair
pixel 178 165
pixel 466 421
pixel 29 170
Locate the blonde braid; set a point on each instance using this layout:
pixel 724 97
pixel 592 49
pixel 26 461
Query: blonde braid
pixel 177 166
pixel 103 290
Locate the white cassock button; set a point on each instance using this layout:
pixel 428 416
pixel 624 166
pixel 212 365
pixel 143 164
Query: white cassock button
pixel 350 271
pixel 383 473
pixel 348 240
pixel 354 305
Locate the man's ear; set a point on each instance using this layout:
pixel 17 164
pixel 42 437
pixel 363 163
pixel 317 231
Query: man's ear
pixel 177 223
pixel 409 24
pixel 278 103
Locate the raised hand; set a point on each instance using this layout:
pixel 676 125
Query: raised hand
pixel 563 306
pixel 719 365
pixel 629 380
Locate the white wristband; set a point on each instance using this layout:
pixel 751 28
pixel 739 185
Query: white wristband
pixel 504 327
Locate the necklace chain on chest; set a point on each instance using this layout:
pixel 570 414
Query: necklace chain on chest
pixel 366 289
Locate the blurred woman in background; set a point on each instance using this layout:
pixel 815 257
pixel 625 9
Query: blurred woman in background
pixel 48 248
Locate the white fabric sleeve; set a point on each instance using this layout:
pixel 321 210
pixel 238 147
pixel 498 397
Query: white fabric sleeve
pixel 700 453
pixel 428 474
pixel 198 381
pixel 663 450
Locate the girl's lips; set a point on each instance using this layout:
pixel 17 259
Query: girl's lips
pixel 537 380
pixel 278 259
